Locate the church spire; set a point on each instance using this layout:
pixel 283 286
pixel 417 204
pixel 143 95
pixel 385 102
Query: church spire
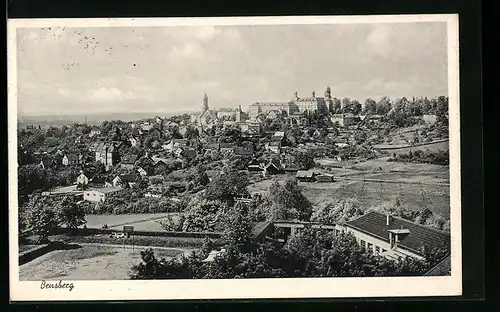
pixel 205 103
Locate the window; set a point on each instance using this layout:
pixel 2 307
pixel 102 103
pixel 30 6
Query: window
pixel 377 249
pixel 93 194
pixel 370 247
pixel 362 242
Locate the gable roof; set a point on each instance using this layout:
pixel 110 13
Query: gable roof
pixel 239 150
pixel 226 145
pixel 72 157
pixel 374 223
pixel 180 141
pixel 305 174
pixel 259 229
pixel 130 159
pixel 129 177
pixel 441 269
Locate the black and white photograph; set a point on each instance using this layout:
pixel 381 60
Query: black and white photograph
pixel 234 157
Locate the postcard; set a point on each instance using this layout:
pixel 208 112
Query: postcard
pixel 234 158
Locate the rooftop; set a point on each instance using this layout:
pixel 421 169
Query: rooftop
pixel 442 268
pixel 374 223
pixel 305 174
pixel 106 190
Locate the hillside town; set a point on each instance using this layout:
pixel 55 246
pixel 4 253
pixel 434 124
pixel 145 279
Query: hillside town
pixel 269 189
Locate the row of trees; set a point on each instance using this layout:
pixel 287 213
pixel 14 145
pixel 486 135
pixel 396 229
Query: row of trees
pixel 313 253
pixel 424 156
pixel 41 216
pixel 414 107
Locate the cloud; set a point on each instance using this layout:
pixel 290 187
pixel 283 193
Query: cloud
pixel 209 33
pixel 188 51
pixel 66 92
pixel 379 39
pixel 108 95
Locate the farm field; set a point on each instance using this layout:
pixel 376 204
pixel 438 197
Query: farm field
pixel 433 147
pixel 86 263
pixel 349 185
pixel 141 221
pixel 381 165
pixel 435 198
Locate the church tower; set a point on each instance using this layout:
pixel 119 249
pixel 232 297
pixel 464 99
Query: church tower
pixel 205 103
pixel 328 93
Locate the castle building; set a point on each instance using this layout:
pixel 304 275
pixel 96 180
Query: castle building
pixel 295 105
pixel 207 117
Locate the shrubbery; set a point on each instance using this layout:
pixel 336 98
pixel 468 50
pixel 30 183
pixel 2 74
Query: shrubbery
pixel 425 156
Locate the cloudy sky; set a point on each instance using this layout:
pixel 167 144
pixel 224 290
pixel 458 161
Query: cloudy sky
pixel 168 69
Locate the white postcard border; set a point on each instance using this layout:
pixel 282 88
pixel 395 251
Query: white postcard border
pixel 243 288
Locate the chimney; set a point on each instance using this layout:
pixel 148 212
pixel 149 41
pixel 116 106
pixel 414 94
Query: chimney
pixel 389 219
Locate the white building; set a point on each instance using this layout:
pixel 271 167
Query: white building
pixel 394 237
pixel 99 195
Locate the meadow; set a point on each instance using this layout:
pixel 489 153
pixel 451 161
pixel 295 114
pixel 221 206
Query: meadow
pixel 140 221
pixel 416 197
pixel 86 263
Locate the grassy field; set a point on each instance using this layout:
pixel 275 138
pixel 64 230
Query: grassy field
pixel 158 241
pixel 141 222
pixel 414 196
pixel 435 198
pixel 381 165
pixel 86 263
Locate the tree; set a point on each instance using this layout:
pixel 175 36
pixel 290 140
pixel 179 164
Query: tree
pixel 426 106
pixel 346 102
pixel 40 219
pixel 337 106
pixel 70 214
pixel 238 229
pixel 286 202
pixel 32 178
pixel 304 160
pixel 202 214
pixel 355 107
pixel 342 210
pixel 384 106
pixel 227 186
pixel 370 107
pixel 201 177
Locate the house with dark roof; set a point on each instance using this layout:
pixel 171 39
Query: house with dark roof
pixel 443 268
pixel 83 178
pixel 324 178
pixel 272 168
pixel 394 237
pixel 125 180
pixel 255 165
pixel 274 146
pixel 46 162
pixel 305 176
pixel 242 151
pixel 97 181
pixel 129 161
pixel 72 159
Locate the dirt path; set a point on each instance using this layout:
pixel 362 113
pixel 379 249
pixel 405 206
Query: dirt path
pixel 185 251
pixel 139 221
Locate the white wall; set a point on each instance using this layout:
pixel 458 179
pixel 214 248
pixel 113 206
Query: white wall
pixel 396 252
pixel 93 196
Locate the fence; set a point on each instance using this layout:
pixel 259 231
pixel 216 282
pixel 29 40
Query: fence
pixel 93 231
